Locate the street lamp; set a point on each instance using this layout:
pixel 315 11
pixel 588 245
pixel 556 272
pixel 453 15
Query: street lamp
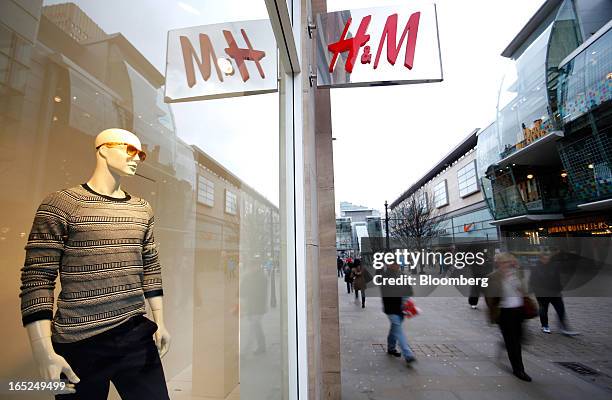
pixel 386 226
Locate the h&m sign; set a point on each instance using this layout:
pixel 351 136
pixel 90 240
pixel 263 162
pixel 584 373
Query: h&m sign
pixel 351 45
pixel 221 60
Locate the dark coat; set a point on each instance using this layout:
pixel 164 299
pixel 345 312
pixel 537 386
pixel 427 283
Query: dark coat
pixel 393 297
pixel 348 274
pixel 545 279
pixel 359 282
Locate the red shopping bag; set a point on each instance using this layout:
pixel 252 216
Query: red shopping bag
pixel 410 309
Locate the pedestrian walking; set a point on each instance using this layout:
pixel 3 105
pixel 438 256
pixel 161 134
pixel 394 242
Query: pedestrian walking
pixel 359 282
pixel 545 282
pixel 348 276
pixel 508 304
pixel 392 307
pixel 340 266
pixel 478 271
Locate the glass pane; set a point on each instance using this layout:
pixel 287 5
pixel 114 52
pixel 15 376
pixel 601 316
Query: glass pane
pixel 211 177
pixel 523 103
pixel 6 37
pixel 4 67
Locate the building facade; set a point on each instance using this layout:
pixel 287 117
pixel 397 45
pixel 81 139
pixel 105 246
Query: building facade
pixel 451 193
pixel 545 163
pixel 360 226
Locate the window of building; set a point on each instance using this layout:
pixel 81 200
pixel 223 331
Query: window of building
pixel 231 202
pixel 440 194
pixel 466 177
pixel 421 198
pixel 206 191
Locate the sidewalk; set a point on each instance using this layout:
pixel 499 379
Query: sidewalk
pixel 456 350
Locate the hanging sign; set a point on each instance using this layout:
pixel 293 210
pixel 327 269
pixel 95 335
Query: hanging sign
pixel 379 46
pixel 221 60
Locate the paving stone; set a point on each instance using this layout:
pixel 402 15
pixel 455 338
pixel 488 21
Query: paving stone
pixel 459 358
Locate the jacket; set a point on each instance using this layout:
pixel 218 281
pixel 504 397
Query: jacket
pixel 493 294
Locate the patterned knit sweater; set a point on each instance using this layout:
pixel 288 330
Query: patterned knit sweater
pixel 105 253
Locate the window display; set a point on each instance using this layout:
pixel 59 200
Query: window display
pixel 213 175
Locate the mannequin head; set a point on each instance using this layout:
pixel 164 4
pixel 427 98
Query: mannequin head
pixel 112 151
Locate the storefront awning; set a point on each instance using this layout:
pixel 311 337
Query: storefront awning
pixel 521 219
pixel 596 205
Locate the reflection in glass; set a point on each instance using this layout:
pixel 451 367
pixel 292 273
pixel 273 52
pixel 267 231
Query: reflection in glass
pixel 211 177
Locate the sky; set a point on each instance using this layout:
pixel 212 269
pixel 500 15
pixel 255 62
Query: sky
pixel 397 135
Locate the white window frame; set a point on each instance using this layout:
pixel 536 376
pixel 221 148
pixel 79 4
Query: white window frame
pixel 288 31
pixel 206 191
pixel 459 176
pixel 436 190
pixel 229 202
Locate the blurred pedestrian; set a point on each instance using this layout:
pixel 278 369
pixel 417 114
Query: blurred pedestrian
pixel 545 282
pixel 506 299
pixel 478 271
pixel 393 299
pixel 340 266
pixel 359 282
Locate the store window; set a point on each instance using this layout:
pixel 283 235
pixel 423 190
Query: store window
pixel 84 66
pixel 466 177
pixel 440 194
pixel 206 191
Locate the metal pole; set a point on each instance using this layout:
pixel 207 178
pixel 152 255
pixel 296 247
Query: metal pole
pixel 386 225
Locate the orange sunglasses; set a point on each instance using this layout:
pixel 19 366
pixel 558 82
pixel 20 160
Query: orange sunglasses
pixel 130 149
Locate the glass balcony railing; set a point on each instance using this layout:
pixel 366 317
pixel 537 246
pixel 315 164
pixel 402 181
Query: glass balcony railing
pixel 513 192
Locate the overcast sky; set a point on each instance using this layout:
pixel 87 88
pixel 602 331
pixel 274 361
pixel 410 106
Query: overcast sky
pixel 398 133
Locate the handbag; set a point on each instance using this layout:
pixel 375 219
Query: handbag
pixel 409 309
pixel 530 309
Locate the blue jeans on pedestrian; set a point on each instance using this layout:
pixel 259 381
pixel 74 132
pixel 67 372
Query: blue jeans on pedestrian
pixel 396 336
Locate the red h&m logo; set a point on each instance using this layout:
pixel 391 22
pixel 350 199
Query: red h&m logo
pixel 207 51
pixel 389 33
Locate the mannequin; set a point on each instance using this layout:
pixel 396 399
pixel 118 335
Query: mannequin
pixel 117 288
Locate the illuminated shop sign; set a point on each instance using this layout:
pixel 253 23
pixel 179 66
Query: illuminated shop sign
pixel 585 227
pixel 221 60
pixel 379 46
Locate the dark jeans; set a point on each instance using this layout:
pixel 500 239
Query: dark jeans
pixel 340 272
pixel 348 287
pixel 125 355
pixel 557 303
pixel 511 325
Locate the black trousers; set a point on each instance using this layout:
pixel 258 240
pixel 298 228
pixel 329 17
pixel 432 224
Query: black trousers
pixel 474 295
pixel 511 325
pixel 557 303
pixel 125 355
pixel 363 295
